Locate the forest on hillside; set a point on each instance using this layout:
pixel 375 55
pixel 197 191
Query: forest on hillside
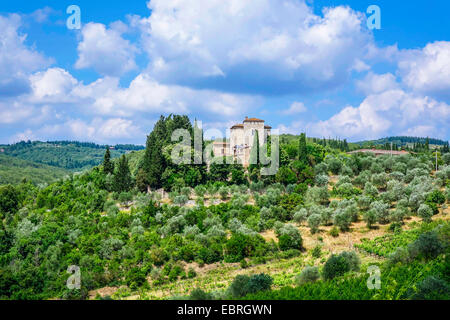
pixel 14 171
pixel 70 155
pixel 166 231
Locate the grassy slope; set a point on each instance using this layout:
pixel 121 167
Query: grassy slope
pixel 218 276
pixel 13 170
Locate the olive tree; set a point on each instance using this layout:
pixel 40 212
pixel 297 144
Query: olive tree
pixel 381 211
pixel 314 221
pixel 308 274
pixel 342 219
pixel 380 180
pixel 322 180
pixel 370 218
pixel 301 216
pixel 370 190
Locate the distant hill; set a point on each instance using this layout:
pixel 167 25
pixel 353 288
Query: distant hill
pixel 14 170
pixel 401 141
pixel 70 155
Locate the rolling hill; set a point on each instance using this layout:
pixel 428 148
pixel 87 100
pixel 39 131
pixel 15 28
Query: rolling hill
pixel 14 170
pixel 70 155
pixel 401 141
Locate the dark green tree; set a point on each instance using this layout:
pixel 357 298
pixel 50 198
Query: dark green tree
pixel 9 199
pixel 108 166
pixel 154 162
pixel 302 150
pixel 122 178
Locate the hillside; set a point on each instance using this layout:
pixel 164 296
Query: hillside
pixel 13 170
pixel 71 155
pixel 401 141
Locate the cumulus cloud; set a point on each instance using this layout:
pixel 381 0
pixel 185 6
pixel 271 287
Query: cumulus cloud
pixel 270 46
pixel 97 130
pixel 427 70
pixel 388 112
pixel 145 95
pixel 105 50
pixel 53 84
pixel 17 59
pixel 295 108
pixel 376 83
pixel 13 112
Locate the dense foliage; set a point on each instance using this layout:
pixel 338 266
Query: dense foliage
pixel 71 155
pixel 14 171
pixel 141 221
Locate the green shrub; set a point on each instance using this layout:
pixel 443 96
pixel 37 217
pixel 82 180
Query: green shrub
pixel 191 273
pixel 259 282
pixel 353 260
pixel 400 255
pixel 243 284
pixel 335 266
pixel 436 197
pixel 200 295
pixel 395 227
pixel 289 238
pixel 238 287
pixel 425 212
pixel 316 252
pixel 241 246
pixel 135 278
pixel 432 288
pixel 427 246
pixel 334 232
pixel 309 274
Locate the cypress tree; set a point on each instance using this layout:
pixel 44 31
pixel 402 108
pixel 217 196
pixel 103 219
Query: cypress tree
pixel 302 151
pixel 108 166
pixel 122 178
pixel 154 163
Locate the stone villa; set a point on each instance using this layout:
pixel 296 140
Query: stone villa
pixel 241 140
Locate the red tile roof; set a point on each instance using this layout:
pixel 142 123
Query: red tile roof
pixel 253 120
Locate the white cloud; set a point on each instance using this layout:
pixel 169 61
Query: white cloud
pixel 105 50
pixel 42 15
pixel 13 112
pixel 427 70
pixel 52 84
pixel 97 130
pixel 145 95
pixel 376 83
pixel 17 60
pixel 389 112
pixel 295 108
pixel 285 44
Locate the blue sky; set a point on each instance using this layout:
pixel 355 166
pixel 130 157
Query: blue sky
pixel 303 66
